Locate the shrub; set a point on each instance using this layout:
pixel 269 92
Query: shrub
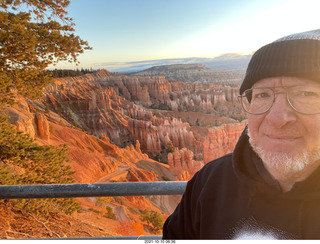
pixel 153 218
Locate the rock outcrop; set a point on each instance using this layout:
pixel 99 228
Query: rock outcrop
pixel 95 160
pixel 118 127
pixel 34 124
pixel 128 111
pixel 216 143
pixel 221 140
pixel 43 126
pixel 90 157
pixel 148 91
pixel 182 164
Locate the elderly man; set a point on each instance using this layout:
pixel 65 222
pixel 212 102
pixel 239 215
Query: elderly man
pixel 270 184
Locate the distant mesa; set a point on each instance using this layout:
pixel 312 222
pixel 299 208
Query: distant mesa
pixel 228 61
pixel 194 73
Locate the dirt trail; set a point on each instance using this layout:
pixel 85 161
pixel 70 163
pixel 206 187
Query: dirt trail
pixel 121 171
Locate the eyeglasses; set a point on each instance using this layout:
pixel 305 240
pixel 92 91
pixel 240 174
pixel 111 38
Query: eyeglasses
pixel 303 99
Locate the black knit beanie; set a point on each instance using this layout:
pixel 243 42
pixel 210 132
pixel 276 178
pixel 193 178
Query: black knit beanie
pixel 295 55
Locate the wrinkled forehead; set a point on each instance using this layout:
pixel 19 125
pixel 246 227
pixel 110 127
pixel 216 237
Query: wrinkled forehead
pixel 284 81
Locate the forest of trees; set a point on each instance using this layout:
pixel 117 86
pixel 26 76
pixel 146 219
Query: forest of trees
pixel 58 73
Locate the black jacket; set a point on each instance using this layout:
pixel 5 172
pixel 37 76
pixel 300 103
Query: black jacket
pixel 234 195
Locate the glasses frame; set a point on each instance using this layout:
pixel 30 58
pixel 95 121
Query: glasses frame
pixel 243 96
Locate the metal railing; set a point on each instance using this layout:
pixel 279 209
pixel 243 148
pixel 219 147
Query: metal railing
pixel 92 190
pixel 95 190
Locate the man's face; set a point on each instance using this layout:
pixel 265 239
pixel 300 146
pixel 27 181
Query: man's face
pixel 287 141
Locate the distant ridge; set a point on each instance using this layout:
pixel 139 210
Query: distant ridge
pixel 228 61
pixel 194 73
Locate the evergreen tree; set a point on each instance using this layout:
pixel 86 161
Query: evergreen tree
pixel 22 161
pixel 33 35
pixel 33 39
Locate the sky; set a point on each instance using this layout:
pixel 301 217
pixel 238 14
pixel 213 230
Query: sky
pixel 123 32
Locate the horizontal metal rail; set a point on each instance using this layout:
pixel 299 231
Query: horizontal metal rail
pixel 92 190
pixel 95 190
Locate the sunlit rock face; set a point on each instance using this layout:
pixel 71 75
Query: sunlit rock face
pixel 91 158
pixel 119 128
pixel 216 143
pixel 134 110
pixel 221 141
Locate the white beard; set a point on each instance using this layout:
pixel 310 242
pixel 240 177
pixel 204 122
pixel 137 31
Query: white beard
pixel 284 162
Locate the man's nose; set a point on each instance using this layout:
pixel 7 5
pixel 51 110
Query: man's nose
pixel 281 113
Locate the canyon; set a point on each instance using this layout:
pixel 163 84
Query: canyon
pixel 133 128
pixel 128 110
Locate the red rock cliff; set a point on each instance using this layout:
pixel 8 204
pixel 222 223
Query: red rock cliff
pixel 121 108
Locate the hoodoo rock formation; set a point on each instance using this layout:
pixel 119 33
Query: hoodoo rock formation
pixel 91 158
pixel 132 128
pixel 127 110
pixel 95 160
pixel 182 164
pixel 221 140
pixel 216 143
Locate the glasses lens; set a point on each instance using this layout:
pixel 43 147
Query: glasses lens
pixel 257 100
pixel 305 99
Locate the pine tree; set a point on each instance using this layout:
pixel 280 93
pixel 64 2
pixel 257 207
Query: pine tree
pixel 33 39
pixel 33 35
pixel 22 161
